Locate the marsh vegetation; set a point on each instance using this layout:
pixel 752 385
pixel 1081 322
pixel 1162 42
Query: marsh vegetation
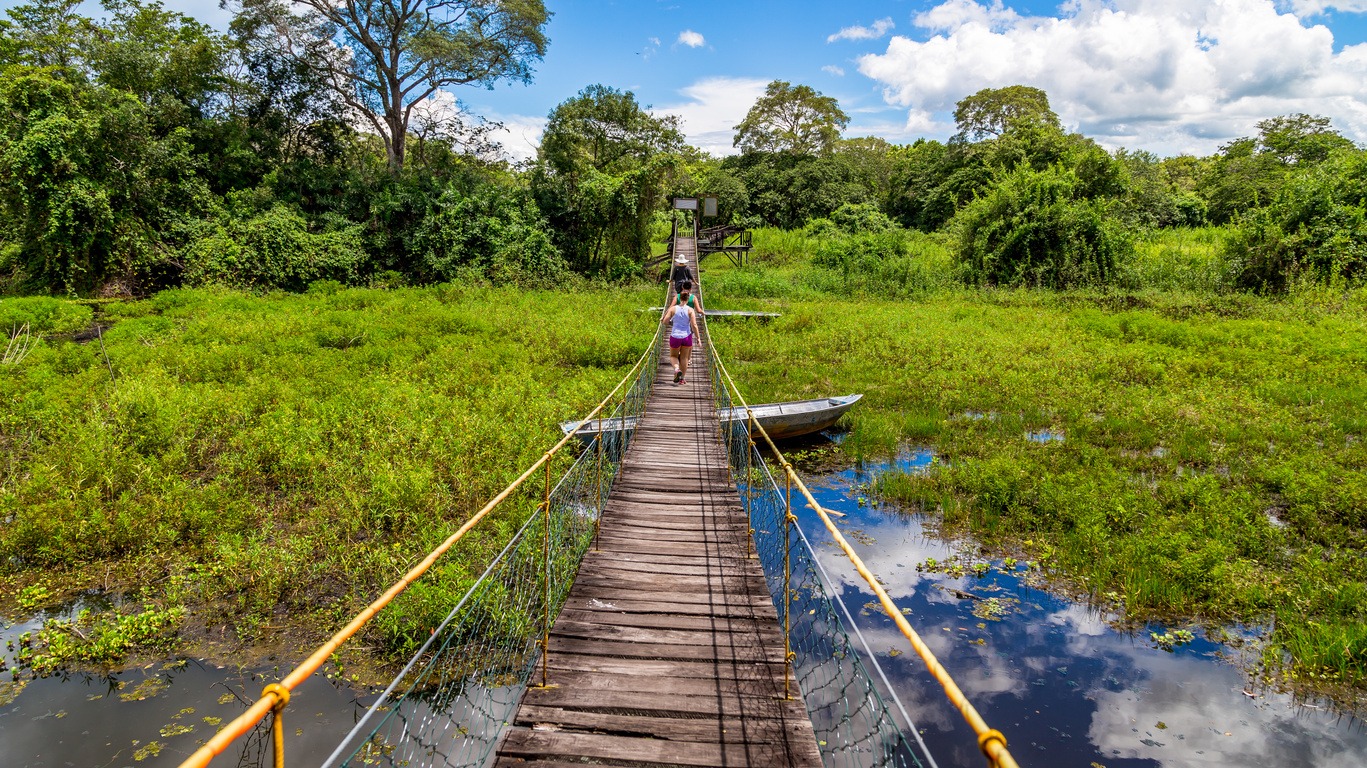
pixel 258 359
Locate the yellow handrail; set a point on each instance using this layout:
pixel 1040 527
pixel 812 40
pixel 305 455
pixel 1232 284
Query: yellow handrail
pixel 276 695
pixel 990 741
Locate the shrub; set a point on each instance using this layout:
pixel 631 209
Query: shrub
pixel 1179 259
pixel 496 232
pixel 894 262
pixel 272 249
pixel 1032 229
pixel 859 218
pixel 1315 231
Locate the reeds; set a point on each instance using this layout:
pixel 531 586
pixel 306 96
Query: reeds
pixel 20 343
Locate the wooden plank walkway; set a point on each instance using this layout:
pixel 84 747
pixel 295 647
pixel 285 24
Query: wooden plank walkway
pixel 668 650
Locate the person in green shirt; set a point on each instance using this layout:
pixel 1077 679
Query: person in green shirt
pixel 686 289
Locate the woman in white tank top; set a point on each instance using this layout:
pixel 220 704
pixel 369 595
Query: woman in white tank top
pixel 683 326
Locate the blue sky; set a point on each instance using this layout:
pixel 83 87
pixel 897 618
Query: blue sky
pixel 1169 76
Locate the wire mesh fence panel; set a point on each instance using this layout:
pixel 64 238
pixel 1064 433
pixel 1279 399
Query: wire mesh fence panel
pixel 452 701
pixel 850 717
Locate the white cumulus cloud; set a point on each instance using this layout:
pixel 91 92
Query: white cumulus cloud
pixel 691 39
pixel 713 107
pixel 520 135
pixel 1165 75
pixel 856 32
pixel 832 69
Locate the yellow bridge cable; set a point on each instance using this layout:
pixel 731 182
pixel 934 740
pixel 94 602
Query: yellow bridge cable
pixel 277 695
pixel 990 741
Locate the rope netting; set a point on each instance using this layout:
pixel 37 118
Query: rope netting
pixel 451 703
pixel 850 715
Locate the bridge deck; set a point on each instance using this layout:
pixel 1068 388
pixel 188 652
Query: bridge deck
pixel 668 650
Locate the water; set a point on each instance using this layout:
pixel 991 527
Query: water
pixel 1055 676
pixel 156 715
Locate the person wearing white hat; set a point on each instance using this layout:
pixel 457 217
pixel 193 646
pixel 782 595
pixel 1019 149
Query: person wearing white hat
pixel 682 274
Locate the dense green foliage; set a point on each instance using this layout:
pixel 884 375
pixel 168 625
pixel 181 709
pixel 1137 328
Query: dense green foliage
pixel 601 175
pixel 1033 229
pixel 145 150
pixel 1315 230
pixel 791 119
pixel 385 58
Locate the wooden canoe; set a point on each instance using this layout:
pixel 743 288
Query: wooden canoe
pixel 780 420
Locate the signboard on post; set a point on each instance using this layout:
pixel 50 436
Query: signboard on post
pixel 709 205
pixel 685 203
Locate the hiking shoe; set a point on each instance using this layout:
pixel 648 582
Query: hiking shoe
pixel 678 377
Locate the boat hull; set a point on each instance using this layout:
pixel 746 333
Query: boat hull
pixel 780 420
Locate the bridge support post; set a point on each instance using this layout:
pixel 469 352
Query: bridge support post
pixel 546 576
pixel 788 520
pixel 598 483
pixel 749 481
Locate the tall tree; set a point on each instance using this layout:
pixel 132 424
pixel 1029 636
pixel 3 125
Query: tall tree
pixel 172 63
pixel 994 111
pixel 384 57
pixel 1299 138
pixel 792 119
pixel 601 173
pixel 45 33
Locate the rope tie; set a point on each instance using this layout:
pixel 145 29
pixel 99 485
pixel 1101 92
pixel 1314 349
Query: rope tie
pixel 281 694
pixel 987 737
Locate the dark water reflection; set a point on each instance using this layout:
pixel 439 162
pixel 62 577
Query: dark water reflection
pixel 157 715
pixel 1053 675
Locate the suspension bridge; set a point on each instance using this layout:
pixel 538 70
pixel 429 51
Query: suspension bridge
pixel 659 606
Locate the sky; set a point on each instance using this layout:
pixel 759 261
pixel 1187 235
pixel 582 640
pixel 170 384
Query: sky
pixel 1168 76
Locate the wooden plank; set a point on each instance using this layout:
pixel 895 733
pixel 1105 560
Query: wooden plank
pixel 675 544
pixel 711 637
pixel 608 588
pixel 636 521
pixel 741 623
pixel 742 606
pixel 653 506
pixel 656 537
pixel 601 746
pixel 755 677
pixel 734 652
pixel 613 690
pixel 667 728
pixel 624 568
pixel 651 558
pixel 718 604
pixel 675 581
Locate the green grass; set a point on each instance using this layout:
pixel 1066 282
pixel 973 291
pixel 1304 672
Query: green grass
pixel 1214 464
pixel 270 463
pixel 273 462
pixel 1180 260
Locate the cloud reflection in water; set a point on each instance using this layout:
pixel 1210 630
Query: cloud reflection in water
pixel 1053 675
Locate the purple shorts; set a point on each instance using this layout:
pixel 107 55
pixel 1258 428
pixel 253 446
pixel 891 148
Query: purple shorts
pixel 675 343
